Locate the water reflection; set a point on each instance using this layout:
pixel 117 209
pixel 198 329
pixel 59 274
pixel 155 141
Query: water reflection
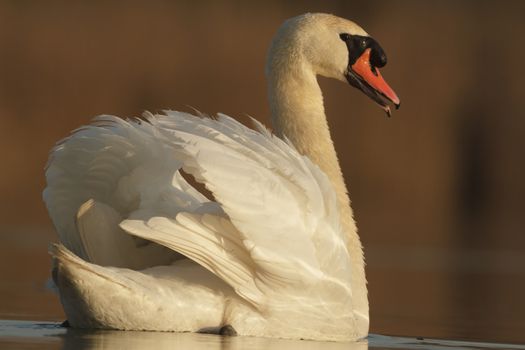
pixel 48 335
pixel 52 336
pixel 99 340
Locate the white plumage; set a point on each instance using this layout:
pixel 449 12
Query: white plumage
pixel 275 253
pixel 274 242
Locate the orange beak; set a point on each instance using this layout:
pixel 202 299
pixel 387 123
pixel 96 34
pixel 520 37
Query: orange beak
pixel 372 77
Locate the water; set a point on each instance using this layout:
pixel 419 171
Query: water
pixel 49 335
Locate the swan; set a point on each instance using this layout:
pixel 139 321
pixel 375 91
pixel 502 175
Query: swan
pixel 274 253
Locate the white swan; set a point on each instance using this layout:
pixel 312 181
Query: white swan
pixel 277 254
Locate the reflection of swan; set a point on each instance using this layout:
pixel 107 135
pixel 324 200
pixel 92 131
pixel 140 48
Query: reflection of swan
pixel 276 255
pixel 99 340
pixel 75 339
pixel 47 334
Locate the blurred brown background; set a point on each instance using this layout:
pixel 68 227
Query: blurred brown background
pixel 437 189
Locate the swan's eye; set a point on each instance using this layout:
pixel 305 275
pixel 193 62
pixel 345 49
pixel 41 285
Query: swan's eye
pixel 344 36
pixel 363 43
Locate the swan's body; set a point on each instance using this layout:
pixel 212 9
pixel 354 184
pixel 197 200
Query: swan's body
pixel 276 255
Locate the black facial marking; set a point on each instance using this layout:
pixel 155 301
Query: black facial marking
pixel 357 44
pixel 344 36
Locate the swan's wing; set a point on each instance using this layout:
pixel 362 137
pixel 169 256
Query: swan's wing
pixel 208 239
pixel 119 165
pixel 108 245
pixel 283 208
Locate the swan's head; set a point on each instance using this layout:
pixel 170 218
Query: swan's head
pixel 336 48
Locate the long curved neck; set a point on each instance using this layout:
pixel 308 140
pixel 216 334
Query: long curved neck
pixel 298 113
pixel 297 108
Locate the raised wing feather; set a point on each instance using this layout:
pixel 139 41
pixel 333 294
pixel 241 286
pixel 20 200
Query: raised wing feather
pixel 208 239
pixel 122 165
pixel 275 225
pixel 282 205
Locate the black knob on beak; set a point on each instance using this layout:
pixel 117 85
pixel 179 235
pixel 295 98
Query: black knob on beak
pixel 377 56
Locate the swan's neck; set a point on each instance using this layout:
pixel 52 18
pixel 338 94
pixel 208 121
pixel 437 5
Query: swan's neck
pixel 298 113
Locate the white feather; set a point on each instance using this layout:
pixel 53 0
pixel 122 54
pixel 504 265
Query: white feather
pixel 275 254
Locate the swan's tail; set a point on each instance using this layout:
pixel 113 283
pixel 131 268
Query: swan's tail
pixel 159 298
pixel 100 174
pixel 76 278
